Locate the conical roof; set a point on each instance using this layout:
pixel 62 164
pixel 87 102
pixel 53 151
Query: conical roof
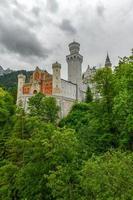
pixel 107 61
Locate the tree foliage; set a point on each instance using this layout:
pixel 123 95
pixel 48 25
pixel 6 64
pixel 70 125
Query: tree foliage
pixel 89 96
pixel 87 155
pixel 108 177
pixel 7 110
pixel 45 108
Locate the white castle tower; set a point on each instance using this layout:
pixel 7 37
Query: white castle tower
pixel 21 82
pixel 56 79
pixel 74 61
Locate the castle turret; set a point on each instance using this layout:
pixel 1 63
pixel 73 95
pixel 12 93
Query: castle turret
pixel 74 61
pixel 108 62
pixel 21 82
pixel 56 79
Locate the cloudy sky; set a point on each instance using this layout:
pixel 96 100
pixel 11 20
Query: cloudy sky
pixel 37 32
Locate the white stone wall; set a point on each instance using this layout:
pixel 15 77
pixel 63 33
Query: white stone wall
pixel 25 100
pixel 69 90
pixel 65 105
pixel 83 89
pixel 74 68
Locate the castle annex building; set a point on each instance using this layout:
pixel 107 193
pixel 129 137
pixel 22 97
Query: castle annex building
pixel 66 92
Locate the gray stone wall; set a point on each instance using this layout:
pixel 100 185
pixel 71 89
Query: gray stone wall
pixel 69 90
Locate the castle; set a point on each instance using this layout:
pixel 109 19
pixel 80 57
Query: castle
pixel 66 92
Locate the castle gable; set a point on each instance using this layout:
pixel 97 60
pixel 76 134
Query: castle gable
pixel 40 81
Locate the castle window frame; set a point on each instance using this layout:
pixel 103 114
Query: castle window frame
pixel 35 92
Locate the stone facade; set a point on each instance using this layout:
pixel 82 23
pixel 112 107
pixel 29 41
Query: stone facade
pixel 69 90
pixel 66 92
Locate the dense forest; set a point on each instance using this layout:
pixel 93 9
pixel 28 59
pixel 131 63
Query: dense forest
pixel 88 155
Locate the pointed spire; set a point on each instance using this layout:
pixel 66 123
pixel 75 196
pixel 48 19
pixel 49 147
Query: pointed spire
pixel 37 68
pixel 108 62
pixel 88 68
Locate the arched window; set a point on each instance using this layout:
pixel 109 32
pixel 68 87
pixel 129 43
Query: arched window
pixel 35 92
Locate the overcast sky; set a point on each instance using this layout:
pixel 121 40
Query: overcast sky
pixel 37 32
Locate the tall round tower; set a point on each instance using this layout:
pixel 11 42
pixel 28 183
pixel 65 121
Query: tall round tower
pixel 56 79
pixel 21 82
pixel 74 60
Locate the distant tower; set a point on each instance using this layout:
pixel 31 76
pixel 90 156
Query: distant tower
pixel 108 62
pixel 74 61
pixel 56 79
pixel 21 82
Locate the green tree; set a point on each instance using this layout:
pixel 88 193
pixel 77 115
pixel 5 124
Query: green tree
pixel 48 151
pixel 92 127
pixel 50 109
pixel 103 80
pixel 123 102
pixel 7 181
pixel 89 96
pixel 70 160
pixel 45 108
pixel 7 110
pixel 36 150
pixel 6 107
pixel 108 177
pixel 35 104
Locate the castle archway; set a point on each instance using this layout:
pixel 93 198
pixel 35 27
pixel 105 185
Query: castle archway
pixel 35 92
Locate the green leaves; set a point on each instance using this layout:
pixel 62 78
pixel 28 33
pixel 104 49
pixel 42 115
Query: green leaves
pixel 43 157
pixel 45 108
pixel 7 181
pixel 123 103
pixel 89 96
pixel 6 106
pixel 108 177
pixel 71 160
pixel 7 110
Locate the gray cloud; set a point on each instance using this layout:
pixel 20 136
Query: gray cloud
pixel 17 39
pixel 67 26
pixel 28 29
pixel 23 18
pixel 52 5
pixel 3 2
pixel 100 9
pixel 8 3
pixel 36 11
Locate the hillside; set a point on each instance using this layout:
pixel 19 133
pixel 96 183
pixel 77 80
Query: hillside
pixel 9 81
pixel 6 71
